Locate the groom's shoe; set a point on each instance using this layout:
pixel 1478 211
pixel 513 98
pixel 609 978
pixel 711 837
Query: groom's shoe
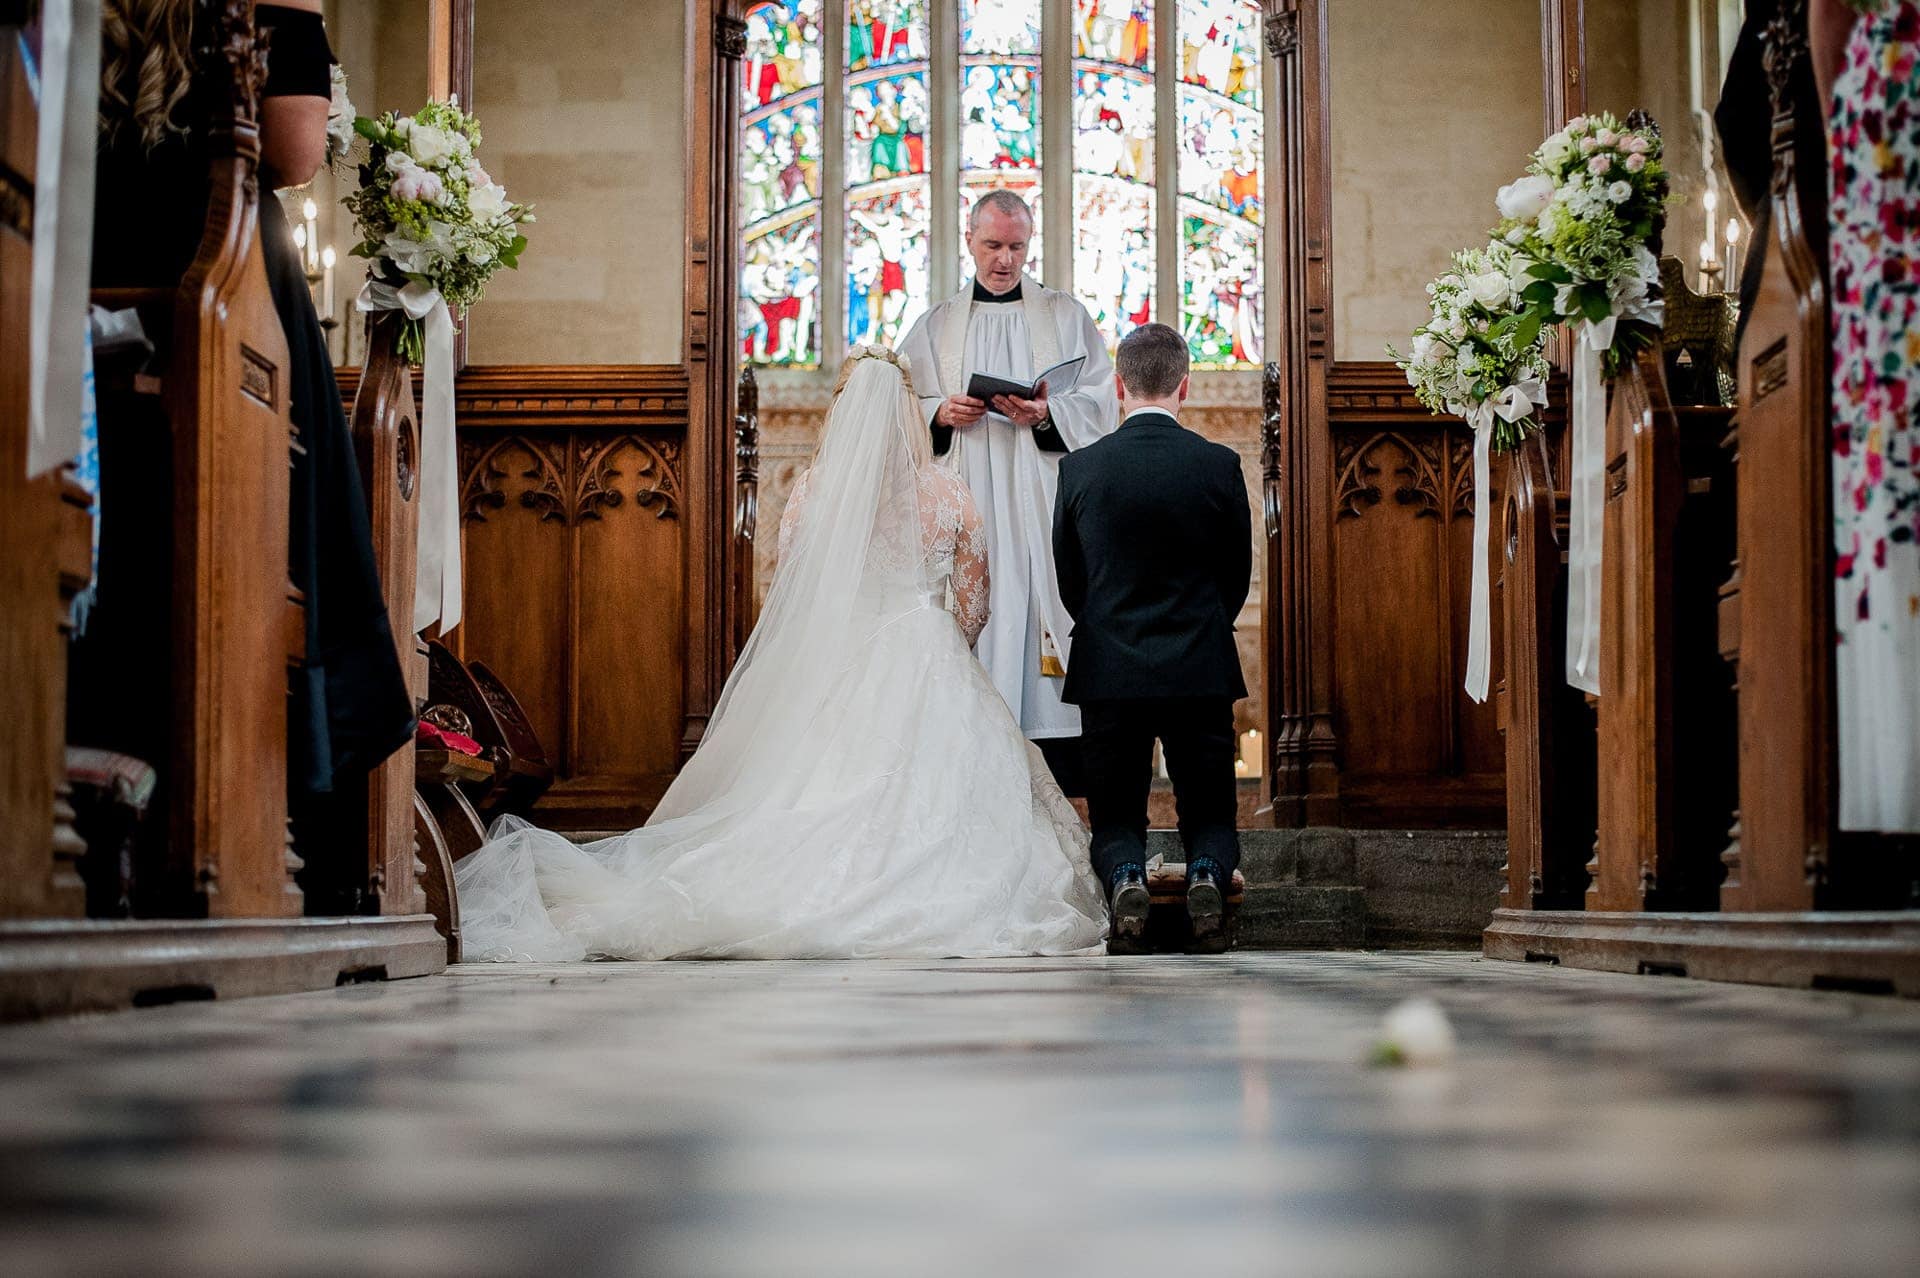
pixel 1206 899
pixel 1128 901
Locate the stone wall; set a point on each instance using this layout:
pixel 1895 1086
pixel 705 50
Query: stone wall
pixel 1434 108
pixel 584 105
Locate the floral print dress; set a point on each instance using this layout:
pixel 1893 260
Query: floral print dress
pixel 1874 144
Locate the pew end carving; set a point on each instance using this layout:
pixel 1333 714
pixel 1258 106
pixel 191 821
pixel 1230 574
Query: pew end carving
pixel 386 439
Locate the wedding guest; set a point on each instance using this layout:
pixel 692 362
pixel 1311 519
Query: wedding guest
pixel 350 708
pixel 1866 55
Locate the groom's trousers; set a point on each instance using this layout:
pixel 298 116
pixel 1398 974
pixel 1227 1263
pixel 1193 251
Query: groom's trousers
pixel 1196 734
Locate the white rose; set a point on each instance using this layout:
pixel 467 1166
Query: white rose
pixel 399 162
pixel 1489 289
pixel 1415 1032
pixel 1524 197
pixel 430 146
pixel 487 202
pixel 1620 192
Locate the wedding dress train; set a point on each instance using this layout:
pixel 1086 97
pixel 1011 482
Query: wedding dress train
pixel 862 791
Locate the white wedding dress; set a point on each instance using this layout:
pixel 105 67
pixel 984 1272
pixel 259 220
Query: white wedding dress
pixel 862 790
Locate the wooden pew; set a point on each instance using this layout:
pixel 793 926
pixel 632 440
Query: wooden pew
pixel 232 920
pixel 1779 605
pixel 44 560
pixel 238 628
pixel 521 771
pixel 386 438
pixel 1665 709
pixel 1547 724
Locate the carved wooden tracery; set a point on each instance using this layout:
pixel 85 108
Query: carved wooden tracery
pixel 571 477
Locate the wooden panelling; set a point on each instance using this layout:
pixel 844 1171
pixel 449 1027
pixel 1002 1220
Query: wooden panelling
pixel 1415 750
pixel 574 494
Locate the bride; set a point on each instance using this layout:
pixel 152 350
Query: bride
pixel 862 790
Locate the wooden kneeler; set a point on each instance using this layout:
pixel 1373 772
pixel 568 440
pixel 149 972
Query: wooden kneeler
pixel 1168 931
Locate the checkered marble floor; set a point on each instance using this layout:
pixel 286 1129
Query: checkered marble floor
pixel 1105 1116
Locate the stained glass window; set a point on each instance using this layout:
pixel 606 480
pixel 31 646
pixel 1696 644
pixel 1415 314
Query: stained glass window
pixel 879 123
pixel 1114 261
pixel 780 161
pixel 889 205
pixel 1000 138
pixel 1219 181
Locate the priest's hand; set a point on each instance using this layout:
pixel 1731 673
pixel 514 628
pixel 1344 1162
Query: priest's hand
pixel 1023 412
pixel 959 412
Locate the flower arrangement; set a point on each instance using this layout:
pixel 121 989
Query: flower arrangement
pixel 340 116
pixel 433 223
pixel 1481 356
pixel 1593 198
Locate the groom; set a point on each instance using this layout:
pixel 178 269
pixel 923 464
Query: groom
pixel 1154 547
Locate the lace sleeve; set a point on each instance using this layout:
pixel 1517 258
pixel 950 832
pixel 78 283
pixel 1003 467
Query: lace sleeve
pixel 970 582
pixel 790 517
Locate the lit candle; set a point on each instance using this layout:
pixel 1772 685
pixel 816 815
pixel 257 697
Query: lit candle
pixel 1250 753
pixel 1712 201
pixel 300 239
pixel 1707 266
pixel 310 211
pixel 1733 254
pixel 327 259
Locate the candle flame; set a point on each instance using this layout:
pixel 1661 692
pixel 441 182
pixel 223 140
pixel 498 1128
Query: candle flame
pixel 327 258
pixel 309 210
pixel 1733 231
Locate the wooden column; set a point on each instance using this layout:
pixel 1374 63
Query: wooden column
pixel 1296 450
pixel 386 436
pixel 717 37
pixel 44 559
pixel 1781 602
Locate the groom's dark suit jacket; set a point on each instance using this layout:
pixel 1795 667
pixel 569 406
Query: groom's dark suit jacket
pixel 1153 542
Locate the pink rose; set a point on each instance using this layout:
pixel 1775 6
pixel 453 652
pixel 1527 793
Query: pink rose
pixel 1604 137
pixel 1636 144
pixel 1636 162
pixel 1599 164
pixel 1587 145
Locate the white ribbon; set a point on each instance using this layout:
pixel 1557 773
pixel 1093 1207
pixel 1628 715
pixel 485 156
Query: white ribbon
pixel 63 231
pixel 1510 405
pixel 1587 503
pixel 436 583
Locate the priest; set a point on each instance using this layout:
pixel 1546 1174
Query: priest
pixel 1008 449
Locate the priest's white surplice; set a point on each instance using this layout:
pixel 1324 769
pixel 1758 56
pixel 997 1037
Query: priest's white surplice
pixel 1012 478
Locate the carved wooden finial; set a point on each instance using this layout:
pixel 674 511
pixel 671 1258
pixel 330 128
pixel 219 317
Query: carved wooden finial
pixel 1283 33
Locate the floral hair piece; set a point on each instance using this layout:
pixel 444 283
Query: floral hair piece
pixel 893 357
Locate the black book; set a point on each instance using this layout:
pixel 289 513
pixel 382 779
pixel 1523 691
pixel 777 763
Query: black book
pixel 984 387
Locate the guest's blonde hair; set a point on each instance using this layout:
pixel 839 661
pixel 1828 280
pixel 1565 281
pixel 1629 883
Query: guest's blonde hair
pixel 146 66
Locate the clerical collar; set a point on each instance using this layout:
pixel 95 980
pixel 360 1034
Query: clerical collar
pixel 980 293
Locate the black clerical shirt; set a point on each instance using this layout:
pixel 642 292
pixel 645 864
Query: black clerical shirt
pixel 1046 434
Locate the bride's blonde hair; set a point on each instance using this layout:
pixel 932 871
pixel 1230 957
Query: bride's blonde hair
pixel 919 440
